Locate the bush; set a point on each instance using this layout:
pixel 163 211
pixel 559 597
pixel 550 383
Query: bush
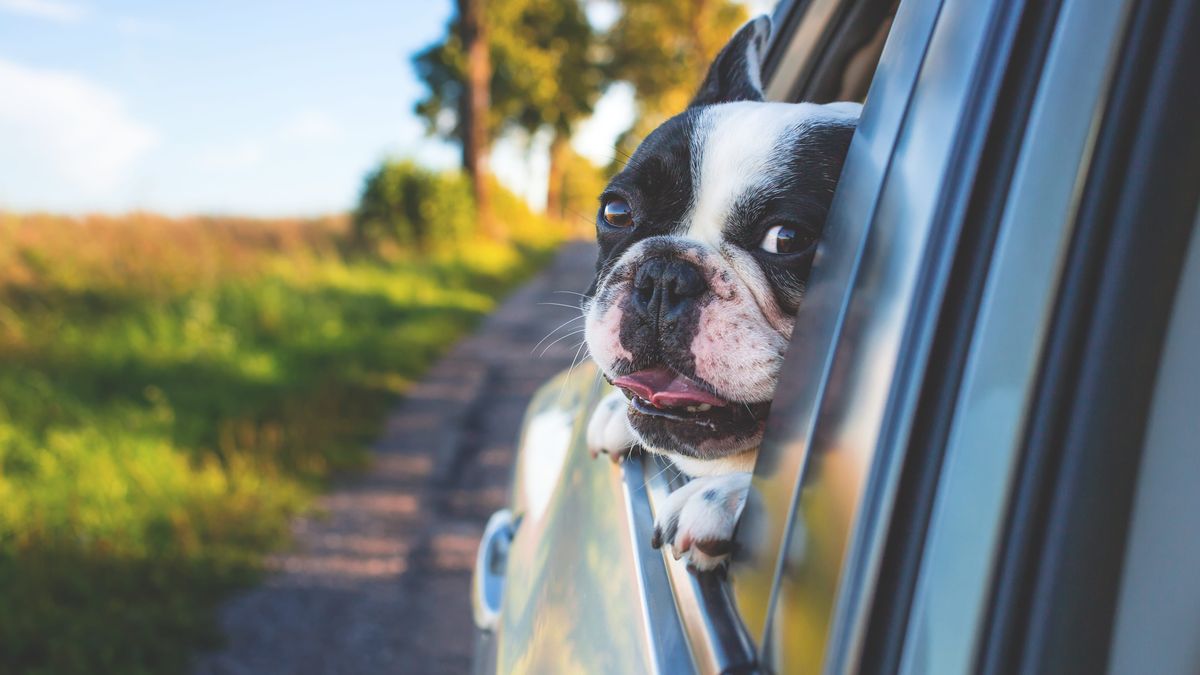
pixel 406 207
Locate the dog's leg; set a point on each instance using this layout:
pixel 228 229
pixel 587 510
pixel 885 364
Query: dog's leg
pixel 698 519
pixel 608 431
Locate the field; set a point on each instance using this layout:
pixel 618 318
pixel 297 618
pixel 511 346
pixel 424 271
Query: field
pixel 172 390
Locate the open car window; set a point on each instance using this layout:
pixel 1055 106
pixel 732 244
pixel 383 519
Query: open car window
pixel 823 51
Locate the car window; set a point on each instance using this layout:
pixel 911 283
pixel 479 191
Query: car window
pixel 765 532
pixel 765 524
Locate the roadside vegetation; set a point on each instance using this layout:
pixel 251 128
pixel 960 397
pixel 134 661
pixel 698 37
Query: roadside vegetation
pixel 173 390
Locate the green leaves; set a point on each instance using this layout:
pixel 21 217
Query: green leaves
pixel 544 69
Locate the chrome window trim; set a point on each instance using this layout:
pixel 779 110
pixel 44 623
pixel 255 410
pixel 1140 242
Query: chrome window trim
pixel 663 624
pixel 715 633
pixel 946 620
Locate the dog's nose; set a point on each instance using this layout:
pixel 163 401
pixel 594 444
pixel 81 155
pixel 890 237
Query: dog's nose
pixel 667 287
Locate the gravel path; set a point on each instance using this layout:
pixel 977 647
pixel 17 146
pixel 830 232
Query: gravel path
pixel 379 581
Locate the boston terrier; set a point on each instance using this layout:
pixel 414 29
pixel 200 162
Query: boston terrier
pixel 706 239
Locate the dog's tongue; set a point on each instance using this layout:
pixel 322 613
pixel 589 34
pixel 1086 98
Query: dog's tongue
pixel 664 388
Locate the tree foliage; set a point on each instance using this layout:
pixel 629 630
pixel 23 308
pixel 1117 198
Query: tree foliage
pixel 663 48
pixel 543 74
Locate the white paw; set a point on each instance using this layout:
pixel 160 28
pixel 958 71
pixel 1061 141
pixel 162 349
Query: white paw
pixel 698 519
pixel 608 431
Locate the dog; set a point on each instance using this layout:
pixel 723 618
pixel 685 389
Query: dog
pixel 706 240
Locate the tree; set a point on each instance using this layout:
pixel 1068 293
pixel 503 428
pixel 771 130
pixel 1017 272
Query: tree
pixel 543 76
pixel 473 108
pixel 663 48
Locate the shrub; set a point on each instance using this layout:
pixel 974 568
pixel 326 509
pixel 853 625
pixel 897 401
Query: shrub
pixel 406 207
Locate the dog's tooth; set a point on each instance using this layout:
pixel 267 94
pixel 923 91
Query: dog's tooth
pixel 705 407
pixel 691 408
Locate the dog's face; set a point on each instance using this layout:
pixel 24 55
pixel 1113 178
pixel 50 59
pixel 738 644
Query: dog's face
pixel 706 240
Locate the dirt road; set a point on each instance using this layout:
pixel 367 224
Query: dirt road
pixel 378 580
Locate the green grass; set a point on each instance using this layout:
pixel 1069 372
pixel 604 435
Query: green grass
pixel 170 394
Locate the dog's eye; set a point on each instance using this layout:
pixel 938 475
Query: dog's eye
pixel 617 213
pixel 783 239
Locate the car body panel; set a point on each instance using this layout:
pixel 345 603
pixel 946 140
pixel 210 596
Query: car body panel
pixel 559 597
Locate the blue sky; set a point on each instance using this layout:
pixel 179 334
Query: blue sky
pixel 261 107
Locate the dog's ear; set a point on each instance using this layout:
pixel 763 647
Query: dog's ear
pixel 736 73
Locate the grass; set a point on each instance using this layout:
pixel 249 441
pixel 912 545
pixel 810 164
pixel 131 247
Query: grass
pixel 172 392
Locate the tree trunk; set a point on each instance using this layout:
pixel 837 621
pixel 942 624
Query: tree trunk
pixel 559 147
pixel 474 111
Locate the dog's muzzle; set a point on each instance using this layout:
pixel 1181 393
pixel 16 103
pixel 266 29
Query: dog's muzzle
pixel 666 289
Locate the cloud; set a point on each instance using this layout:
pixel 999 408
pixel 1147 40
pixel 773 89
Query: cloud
pixel 74 130
pixel 310 126
pixel 53 10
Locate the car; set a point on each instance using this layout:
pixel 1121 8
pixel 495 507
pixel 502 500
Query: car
pixel 981 454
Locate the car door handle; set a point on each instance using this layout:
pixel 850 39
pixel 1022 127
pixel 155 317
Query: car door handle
pixel 487 583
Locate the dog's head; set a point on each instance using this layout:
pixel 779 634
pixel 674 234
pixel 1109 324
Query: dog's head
pixel 706 240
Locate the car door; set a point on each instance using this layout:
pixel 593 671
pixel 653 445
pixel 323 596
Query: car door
pixel 869 540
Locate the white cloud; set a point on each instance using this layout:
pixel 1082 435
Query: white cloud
pixel 53 10
pixel 73 130
pixel 310 126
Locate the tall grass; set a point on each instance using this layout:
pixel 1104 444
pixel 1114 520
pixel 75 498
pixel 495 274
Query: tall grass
pixel 172 391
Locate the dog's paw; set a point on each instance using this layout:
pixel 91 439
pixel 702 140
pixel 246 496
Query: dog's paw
pixel 698 519
pixel 608 431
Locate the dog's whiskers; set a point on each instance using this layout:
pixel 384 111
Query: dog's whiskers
pixel 553 331
pixel 559 304
pixel 564 337
pixel 567 378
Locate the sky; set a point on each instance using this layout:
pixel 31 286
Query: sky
pixel 267 107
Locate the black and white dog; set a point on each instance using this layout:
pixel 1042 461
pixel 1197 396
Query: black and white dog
pixel 706 240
